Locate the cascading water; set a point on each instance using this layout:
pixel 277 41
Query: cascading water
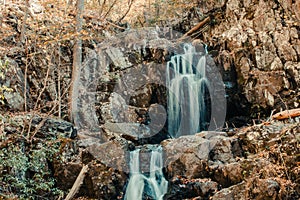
pixel 154 185
pixel 187 83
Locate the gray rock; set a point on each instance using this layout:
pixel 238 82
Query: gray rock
pixel 112 153
pixel 117 58
pixel 254 189
pixel 14 79
pixel 130 131
pixel 118 110
pixel 192 155
pixel 182 188
pixel 88 141
pixel 259 40
pixel 15 100
pixel 231 193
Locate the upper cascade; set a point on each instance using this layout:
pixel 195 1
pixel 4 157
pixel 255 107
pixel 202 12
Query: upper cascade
pixel 187 83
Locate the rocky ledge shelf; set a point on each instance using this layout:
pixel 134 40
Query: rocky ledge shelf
pixel 255 162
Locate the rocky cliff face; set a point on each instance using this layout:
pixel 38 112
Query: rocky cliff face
pixel 256 44
pixel 241 164
pixel 256 47
pixel 246 165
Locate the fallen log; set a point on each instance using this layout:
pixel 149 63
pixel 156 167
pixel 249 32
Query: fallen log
pixel 195 28
pixel 287 114
pixel 77 184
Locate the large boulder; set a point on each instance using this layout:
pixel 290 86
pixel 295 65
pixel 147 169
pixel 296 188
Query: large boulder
pixel 257 189
pixel 182 188
pixel 12 85
pixel 204 155
pixel 256 162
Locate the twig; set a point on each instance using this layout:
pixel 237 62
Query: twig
pixel 25 84
pixel 283 161
pixel 43 89
pixel 127 11
pixel 102 7
pixel 271 115
pixel 119 27
pixel 58 83
pixel 29 139
pixel 90 17
pixel 109 9
pixel 197 33
pixel 215 124
pixel 79 180
pixel 42 123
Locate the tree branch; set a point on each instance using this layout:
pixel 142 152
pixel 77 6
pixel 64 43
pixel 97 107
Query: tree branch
pixel 127 11
pixel 287 114
pixel 195 28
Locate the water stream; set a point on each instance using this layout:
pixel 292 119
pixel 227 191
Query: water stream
pixel 153 183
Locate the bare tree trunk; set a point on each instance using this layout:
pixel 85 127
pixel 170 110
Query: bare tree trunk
pixel 77 59
pixel 23 41
pixel 23 30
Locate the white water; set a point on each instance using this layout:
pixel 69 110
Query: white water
pixel 156 183
pixel 187 83
pixel 186 80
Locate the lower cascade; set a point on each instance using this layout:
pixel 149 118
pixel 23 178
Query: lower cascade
pixel 152 182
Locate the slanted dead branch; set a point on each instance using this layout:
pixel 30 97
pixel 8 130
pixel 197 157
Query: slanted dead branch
pixel 287 114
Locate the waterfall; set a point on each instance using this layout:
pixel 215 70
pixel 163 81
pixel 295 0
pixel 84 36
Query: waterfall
pixel 187 84
pixel 136 182
pixel 154 184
